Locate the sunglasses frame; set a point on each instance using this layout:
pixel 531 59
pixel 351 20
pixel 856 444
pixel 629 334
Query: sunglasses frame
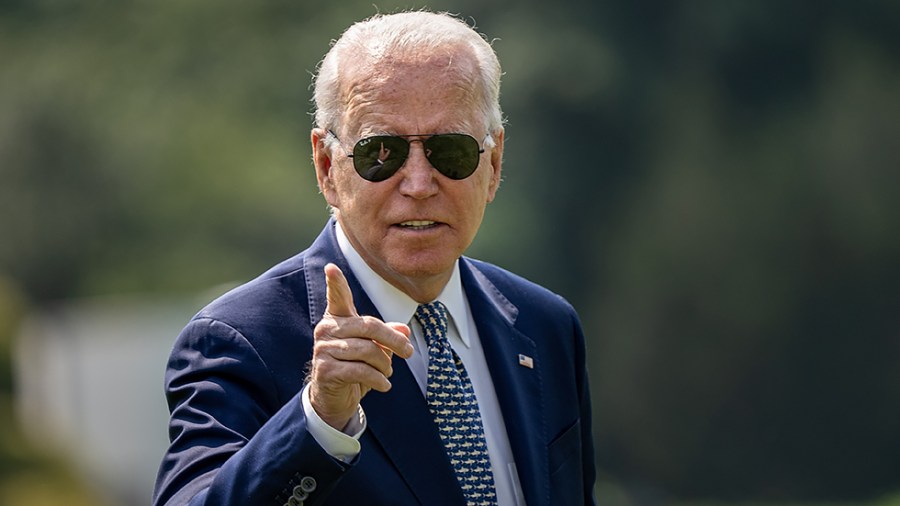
pixel 351 155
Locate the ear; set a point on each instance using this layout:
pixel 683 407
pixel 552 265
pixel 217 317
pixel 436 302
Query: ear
pixel 322 161
pixel 496 164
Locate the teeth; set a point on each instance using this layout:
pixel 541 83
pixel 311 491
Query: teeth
pixel 417 223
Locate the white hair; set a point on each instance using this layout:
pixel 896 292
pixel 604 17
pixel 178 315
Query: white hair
pixel 405 33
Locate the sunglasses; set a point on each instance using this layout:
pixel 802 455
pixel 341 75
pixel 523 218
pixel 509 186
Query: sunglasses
pixel 379 157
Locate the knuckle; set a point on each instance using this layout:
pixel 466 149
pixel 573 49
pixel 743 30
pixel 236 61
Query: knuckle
pixel 330 350
pixel 371 324
pixel 324 329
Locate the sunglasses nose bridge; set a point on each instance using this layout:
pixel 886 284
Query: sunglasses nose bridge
pixel 417 153
pixel 418 141
pixel 417 175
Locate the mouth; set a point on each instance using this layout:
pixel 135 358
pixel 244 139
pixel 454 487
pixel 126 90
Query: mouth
pixel 417 224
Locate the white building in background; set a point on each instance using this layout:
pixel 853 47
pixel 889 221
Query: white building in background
pixel 90 383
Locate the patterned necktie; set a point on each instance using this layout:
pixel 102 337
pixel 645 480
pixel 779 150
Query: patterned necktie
pixel 451 400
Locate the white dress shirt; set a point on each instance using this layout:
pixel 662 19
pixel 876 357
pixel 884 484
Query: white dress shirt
pixel 396 306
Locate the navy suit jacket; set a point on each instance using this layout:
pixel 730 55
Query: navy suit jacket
pixel 238 432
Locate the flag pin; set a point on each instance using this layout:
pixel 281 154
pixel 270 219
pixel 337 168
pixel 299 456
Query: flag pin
pixel 526 361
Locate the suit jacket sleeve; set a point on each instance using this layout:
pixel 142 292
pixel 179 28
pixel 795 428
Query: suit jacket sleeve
pixel 587 441
pixel 232 440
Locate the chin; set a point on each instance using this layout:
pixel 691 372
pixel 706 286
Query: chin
pixel 423 267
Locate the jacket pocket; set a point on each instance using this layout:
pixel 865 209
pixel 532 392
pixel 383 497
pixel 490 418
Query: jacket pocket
pixel 566 480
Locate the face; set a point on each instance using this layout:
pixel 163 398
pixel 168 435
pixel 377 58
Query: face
pixel 411 227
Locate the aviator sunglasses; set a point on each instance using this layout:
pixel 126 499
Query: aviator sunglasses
pixel 379 157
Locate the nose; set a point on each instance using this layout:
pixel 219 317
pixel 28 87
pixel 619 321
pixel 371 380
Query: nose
pixel 417 174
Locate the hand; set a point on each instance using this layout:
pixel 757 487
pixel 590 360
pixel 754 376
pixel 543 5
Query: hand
pixel 351 353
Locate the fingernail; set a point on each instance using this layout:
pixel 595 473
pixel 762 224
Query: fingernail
pixel 409 350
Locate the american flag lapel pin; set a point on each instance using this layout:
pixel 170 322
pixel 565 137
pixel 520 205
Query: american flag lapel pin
pixel 526 361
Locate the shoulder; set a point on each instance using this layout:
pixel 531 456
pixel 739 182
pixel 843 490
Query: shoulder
pixel 279 294
pixel 516 288
pixel 260 331
pixel 529 300
pixel 267 317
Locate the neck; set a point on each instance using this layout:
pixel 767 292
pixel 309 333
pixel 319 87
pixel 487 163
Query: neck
pixel 420 289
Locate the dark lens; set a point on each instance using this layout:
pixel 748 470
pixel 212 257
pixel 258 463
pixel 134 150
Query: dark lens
pixel 378 158
pixel 454 155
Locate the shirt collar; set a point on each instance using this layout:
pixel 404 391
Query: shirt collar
pixel 396 306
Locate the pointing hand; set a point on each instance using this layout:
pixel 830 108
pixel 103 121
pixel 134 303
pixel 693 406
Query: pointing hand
pixel 351 353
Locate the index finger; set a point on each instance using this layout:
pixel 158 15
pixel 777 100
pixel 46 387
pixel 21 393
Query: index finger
pixel 337 293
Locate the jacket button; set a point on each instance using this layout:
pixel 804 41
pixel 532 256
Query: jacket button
pixel 299 494
pixel 307 484
pixel 293 501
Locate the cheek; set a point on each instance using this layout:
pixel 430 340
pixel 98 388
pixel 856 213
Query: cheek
pixel 331 196
pixel 482 190
pixel 340 188
pixel 493 184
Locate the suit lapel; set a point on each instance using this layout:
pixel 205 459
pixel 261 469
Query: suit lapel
pixel 518 387
pixel 418 455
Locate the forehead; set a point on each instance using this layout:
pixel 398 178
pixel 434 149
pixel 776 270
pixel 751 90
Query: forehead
pixel 412 94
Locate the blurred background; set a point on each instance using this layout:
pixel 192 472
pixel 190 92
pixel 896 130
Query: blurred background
pixel 713 185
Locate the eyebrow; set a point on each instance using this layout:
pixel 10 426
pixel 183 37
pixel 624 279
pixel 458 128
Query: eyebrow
pixel 455 128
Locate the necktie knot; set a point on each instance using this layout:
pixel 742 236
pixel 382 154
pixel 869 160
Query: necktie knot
pixel 433 318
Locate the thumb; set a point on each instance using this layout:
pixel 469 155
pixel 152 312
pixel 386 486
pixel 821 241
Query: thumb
pixel 337 293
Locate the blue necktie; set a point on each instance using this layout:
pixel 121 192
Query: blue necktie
pixel 451 400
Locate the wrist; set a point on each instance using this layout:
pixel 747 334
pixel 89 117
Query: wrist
pixel 340 444
pixel 337 421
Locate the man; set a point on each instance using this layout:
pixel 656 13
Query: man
pixel 380 366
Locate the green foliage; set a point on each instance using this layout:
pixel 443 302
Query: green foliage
pixel 712 184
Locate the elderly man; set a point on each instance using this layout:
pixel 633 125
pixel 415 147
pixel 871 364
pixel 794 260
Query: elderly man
pixel 380 366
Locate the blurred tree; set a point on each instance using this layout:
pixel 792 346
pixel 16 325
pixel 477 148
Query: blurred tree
pixel 748 338
pixel 123 119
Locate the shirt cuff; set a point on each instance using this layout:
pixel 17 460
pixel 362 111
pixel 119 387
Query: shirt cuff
pixel 342 445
